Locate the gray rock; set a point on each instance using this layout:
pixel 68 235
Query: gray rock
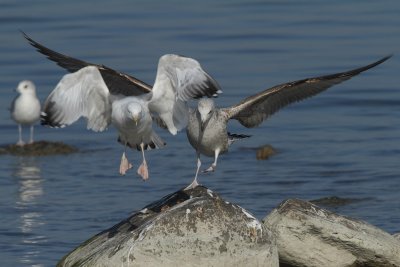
pixel 334 201
pixel 310 236
pixel 186 228
pixel 397 235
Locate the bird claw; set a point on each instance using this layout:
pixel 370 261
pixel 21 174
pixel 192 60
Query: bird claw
pixel 143 171
pixel 210 169
pixel 20 143
pixel 193 185
pixel 125 165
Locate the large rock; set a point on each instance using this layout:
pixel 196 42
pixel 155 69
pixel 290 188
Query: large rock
pixel 186 228
pixel 310 236
pixel 397 236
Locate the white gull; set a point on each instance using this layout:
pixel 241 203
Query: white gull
pixel 25 108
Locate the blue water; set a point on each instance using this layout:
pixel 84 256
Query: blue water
pixel 344 142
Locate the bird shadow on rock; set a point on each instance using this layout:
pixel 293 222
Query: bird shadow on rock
pixel 39 148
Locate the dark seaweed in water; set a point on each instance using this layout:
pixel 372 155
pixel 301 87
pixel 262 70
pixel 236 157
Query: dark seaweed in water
pixel 40 148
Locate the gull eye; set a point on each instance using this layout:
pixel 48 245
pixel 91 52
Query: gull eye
pixel 25 86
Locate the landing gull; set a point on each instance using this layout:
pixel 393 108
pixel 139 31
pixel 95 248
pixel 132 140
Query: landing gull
pixel 207 127
pixel 25 108
pixel 104 96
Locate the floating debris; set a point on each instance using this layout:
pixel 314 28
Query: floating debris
pixel 265 152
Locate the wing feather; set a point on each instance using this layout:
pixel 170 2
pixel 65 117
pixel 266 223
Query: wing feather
pixel 253 110
pixel 178 80
pixel 79 94
pixel 117 82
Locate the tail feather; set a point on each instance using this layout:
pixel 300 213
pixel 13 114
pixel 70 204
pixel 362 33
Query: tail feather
pixel 155 143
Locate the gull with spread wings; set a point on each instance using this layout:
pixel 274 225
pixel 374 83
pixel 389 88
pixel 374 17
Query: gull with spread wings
pixel 104 96
pixel 207 127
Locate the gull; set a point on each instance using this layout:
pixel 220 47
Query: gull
pixel 25 108
pixel 104 96
pixel 207 127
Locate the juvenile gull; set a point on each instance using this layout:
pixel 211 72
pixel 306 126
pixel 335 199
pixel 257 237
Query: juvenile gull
pixel 104 96
pixel 25 108
pixel 207 128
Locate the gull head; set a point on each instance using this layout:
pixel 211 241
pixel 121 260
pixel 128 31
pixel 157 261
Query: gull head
pixel 205 108
pixel 26 87
pixel 135 111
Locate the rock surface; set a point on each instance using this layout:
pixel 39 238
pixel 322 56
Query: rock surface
pixel 397 235
pixel 40 148
pixel 310 236
pixel 186 228
pixel 335 201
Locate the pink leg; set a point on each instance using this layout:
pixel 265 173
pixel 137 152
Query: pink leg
pixel 31 136
pixel 143 171
pixel 214 165
pixel 20 142
pixel 195 183
pixel 125 165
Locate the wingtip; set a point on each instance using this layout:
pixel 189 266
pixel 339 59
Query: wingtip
pixel 26 36
pixel 386 57
pixel 46 121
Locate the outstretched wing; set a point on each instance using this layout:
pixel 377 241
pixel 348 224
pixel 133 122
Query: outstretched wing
pixel 117 82
pixel 178 80
pixel 79 94
pixel 253 110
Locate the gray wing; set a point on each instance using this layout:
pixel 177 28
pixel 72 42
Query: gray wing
pixel 253 110
pixel 187 77
pixel 178 80
pixel 117 82
pixel 79 94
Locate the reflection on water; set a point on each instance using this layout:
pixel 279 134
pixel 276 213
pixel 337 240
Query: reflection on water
pixel 30 181
pixel 28 173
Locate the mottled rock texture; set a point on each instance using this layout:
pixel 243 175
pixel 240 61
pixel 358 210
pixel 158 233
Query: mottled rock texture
pixel 186 228
pixel 311 236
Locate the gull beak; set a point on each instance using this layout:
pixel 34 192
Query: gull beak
pixel 136 119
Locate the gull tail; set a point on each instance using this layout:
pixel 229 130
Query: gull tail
pixel 155 143
pixel 234 137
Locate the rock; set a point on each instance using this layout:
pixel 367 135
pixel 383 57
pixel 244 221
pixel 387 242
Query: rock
pixel 186 228
pixel 335 201
pixel 40 148
pixel 397 235
pixel 310 236
pixel 265 152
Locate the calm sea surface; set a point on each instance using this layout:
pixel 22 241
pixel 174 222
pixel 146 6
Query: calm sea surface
pixel 345 142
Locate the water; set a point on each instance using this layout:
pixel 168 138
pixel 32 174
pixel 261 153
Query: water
pixel 344 142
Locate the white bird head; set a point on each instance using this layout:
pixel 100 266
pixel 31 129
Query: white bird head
pixel 205 108
pixel 135 110
pixel 26 87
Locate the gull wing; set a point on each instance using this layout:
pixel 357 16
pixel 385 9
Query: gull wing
pixel 253 110
pixel 117 82
pixel 79 94
pixel 178 80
